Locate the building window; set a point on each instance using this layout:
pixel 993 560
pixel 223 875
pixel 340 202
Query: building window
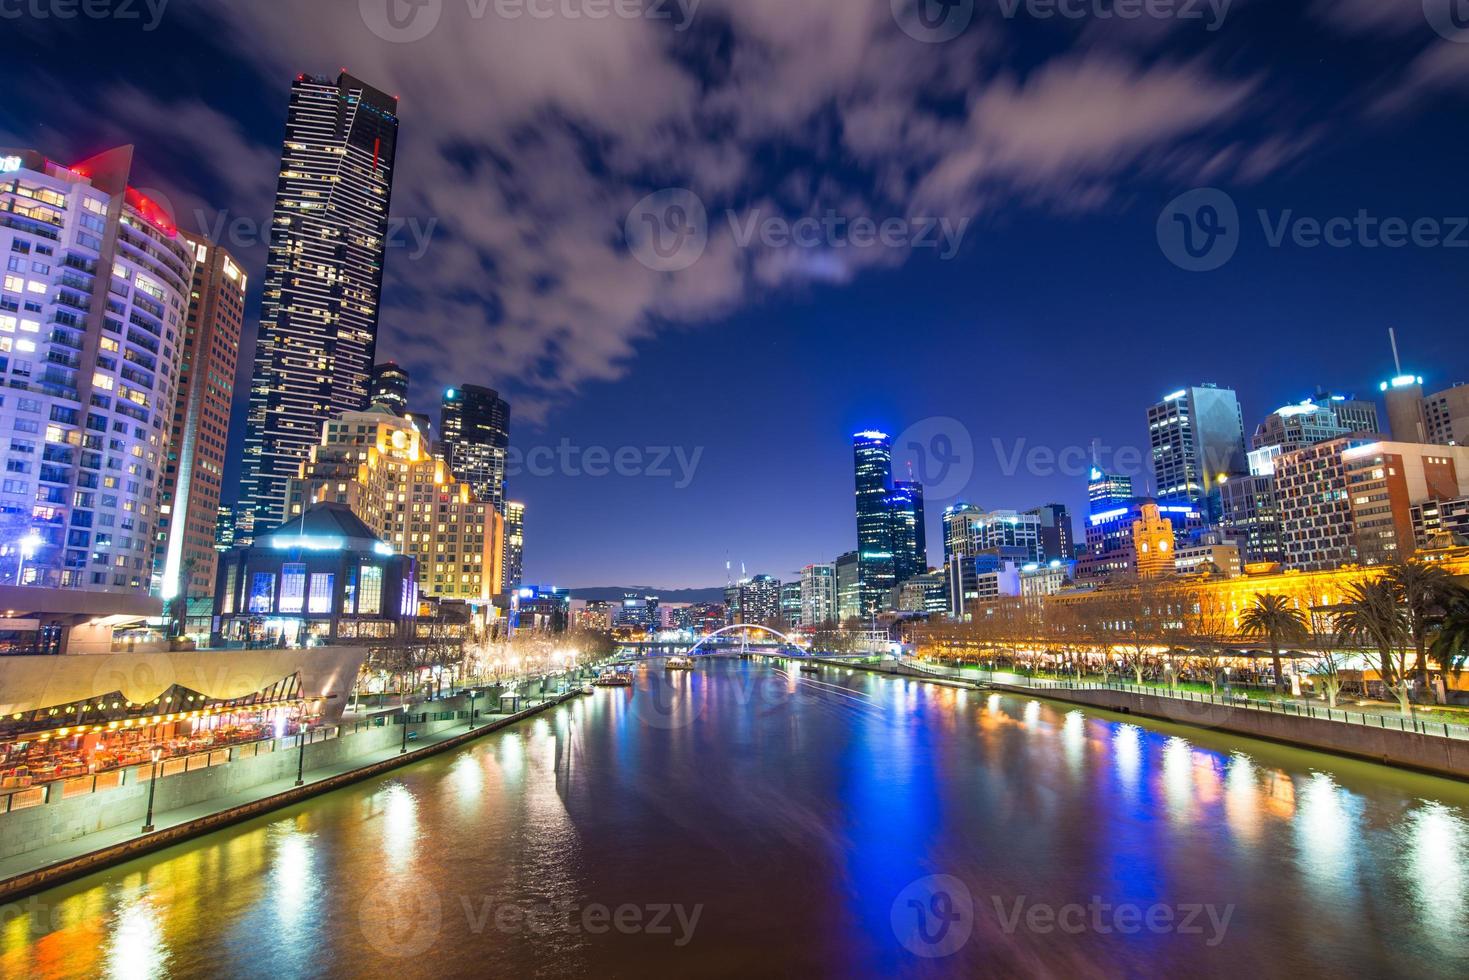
pixel 229 590
pixel 370 595
pixel 262 592
pixel 293 587
pixel 321 592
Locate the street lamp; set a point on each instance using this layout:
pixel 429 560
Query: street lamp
pixel 155 754
pixel 28 546
pixel 404 749
pixel 301 755
pixel 472 696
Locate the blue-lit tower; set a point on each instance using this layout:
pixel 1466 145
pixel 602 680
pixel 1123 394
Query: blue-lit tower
pixel 873 458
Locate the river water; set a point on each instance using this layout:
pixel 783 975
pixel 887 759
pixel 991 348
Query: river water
pixel 746 819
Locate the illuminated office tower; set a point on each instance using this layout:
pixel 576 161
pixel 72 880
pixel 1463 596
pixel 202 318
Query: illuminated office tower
pixel 873 458
pixel 514 543
pixel 323 279
pixel 818 594
pixel 476 437
pixel 1197 437
pixel 910 539
pixel 959 532
pixel 1105 490
pixel 389 387
pixel 93 306
pixel 192 478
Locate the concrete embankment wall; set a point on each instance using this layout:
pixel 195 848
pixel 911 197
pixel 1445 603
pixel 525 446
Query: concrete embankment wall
pixel 64 820
pixel 1412 750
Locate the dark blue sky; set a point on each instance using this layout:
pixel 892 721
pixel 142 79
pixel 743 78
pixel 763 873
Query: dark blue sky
pixel 525 143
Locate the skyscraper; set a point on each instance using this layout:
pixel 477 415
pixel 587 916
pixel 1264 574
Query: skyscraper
pixel 873 457
pixel 1105 490
pixel 514 543
pixel 93 306
pixel 389 387
pixel 910 539
pixel 1057 534
pixel 476 437
pixel 323 278
pixel 818 595
pixel 1197 436
pixel 191 479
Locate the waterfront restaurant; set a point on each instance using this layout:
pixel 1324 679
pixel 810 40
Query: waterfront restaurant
pixel 321 577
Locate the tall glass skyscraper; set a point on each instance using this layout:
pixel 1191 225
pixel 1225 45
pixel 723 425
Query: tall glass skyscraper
pixel 1198 441
pixel 910 540
pixel 389 387
pixel 514 543
pixel 873 457
pixel 323 279
pixel 476 437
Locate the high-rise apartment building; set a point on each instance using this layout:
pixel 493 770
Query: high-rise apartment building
pixel 323 278
pixel 376 463
pixel 1352 413
pixel 1197 436
pixel 389 387
pixel 1385 479
pixel 1315 512
pixel 959 520
pixel 514 543
pixel 818 594
pixel 910 537
pixel 754 601
pixel 873 460
pixel 969 531
pixel 191 481
pixel 1251 515
pixel 476 438
pixel 1105 490
pixel 93 305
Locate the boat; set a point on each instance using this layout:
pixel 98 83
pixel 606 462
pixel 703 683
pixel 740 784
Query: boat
pixel 679 663
pixel 588 689
pixel 614 677
pixel 810 669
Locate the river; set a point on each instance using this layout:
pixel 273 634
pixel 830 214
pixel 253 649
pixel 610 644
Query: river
pixel 745 819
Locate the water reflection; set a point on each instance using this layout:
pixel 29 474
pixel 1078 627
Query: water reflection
pixel 794 815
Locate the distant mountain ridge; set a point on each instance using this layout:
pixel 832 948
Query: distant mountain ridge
pixel 713 594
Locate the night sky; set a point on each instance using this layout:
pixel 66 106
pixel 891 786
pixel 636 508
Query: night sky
pixel 527 141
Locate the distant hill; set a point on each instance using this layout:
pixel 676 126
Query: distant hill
pixel 715 594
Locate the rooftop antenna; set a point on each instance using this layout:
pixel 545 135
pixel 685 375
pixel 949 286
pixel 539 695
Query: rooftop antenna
pixel 1392 335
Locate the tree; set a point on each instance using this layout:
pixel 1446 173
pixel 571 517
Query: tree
pixel 1372 615
pixel 1450 648
pixel 1273 619
pixel 1422 590
pixel 1326 643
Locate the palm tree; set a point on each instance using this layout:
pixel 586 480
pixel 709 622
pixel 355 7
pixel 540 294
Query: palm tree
pixel 1450 647
pixel 1372 615
pixel 1274 619
pixel 1422 590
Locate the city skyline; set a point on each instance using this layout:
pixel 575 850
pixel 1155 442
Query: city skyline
pixel 998 292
